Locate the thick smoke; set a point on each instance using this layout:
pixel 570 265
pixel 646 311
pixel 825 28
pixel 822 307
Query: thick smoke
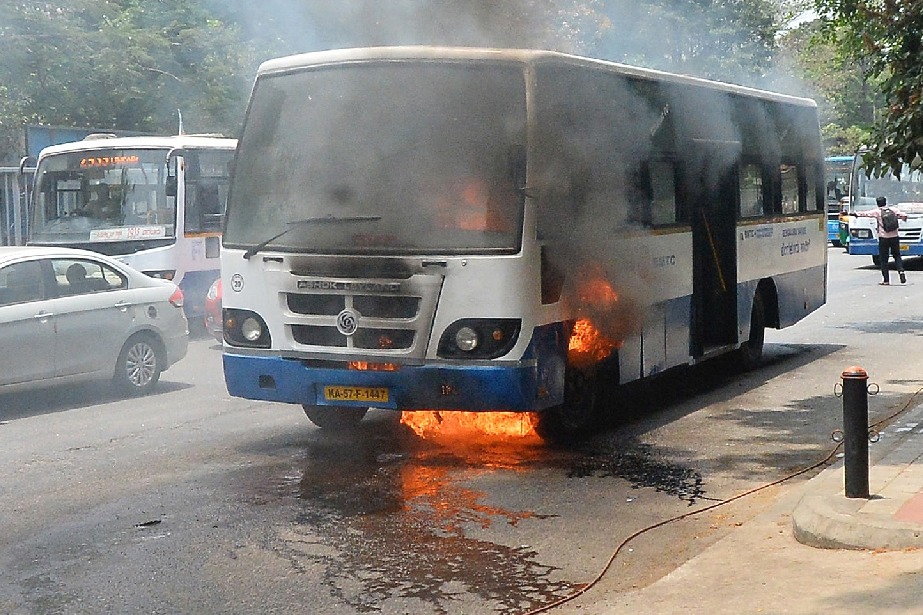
pixel 581 171
pixel 287 27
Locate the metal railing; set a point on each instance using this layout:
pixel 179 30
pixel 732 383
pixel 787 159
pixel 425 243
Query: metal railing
pixel 15 191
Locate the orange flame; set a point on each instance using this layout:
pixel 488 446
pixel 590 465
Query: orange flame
pixel 598 293
pixel 372 367
pixel 431 424
pixel 587 345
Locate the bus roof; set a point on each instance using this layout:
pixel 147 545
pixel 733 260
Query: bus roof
pixel 93 142
pixel 521 56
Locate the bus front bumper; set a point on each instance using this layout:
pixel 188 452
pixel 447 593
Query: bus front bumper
pixel 869 247
pixel 510 387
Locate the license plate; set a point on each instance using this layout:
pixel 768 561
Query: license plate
pixel 904 247
pixel 363 394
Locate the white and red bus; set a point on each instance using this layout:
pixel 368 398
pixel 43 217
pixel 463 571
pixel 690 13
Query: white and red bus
pixel 508 230
pixel 154 202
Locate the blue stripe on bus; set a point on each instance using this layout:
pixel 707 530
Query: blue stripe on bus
pixel 869 247
pixel 412 387
pixel 531 385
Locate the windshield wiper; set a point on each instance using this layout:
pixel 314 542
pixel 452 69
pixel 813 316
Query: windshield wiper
pixel 329 219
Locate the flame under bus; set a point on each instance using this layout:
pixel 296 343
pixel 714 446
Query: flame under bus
pixel 503 230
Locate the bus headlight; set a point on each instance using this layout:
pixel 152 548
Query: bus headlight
pixel 466 339
pixel 245 328
pixel 479 338
pixel 251 329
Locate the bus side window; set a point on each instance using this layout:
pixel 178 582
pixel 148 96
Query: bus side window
pixel 751 191
pixel 790 200
pixel 639 195
pixel 663 192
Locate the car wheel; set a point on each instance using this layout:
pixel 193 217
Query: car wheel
pixel 139 366
pixel 335 418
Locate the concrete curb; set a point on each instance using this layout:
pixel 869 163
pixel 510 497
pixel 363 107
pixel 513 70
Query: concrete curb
pixel 836 522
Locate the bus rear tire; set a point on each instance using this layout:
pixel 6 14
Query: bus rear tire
pixel 751 351
pixel 335 418
pixel 579 412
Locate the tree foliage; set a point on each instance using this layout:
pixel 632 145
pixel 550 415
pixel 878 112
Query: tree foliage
pixel 886 37
pixel 131 64
pixel 848 98
pixel 730 40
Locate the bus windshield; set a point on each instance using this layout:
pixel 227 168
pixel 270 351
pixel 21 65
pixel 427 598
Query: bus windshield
pixel 836 171
pixel 417 157
pixel 908 189
pixel 104 195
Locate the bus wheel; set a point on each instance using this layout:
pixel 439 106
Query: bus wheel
pixel 139 365
pixel 751 351
pixel 335 418
pixel 577 414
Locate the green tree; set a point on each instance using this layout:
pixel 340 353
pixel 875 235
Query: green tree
pixel 729 40
pixel 120 64
pixel 847 97
pixel 886 37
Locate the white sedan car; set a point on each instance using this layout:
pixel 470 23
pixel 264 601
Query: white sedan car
pixel 69 315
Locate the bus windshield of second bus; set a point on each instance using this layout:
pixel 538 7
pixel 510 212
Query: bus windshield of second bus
pixel 837 170
pixel 156 202
pixel 905 192
pixel 103 196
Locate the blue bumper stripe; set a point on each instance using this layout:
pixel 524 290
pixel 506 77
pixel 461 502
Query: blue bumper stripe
pixel 466 388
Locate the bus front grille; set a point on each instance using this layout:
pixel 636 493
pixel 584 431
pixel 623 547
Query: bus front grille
pixel 393 323
pixel 368 305
pixel 366 339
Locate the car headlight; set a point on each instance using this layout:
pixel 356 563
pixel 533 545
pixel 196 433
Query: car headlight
pixel 479 338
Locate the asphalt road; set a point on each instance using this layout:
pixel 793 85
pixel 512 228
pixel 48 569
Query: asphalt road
pixel 188 501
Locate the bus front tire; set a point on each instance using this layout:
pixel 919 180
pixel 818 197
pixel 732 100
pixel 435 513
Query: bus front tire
pixel 335 418
pixel 751 351
pixel 579 412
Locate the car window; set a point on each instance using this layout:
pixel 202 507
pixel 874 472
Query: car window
pixel 79 277
pixel 21 282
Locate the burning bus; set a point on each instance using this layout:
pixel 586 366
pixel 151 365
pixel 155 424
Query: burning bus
pixel 474 230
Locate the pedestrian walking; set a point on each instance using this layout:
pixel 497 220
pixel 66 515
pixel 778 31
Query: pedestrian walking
pixel 888 237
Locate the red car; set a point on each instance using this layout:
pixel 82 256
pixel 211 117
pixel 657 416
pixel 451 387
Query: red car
pixel 213 321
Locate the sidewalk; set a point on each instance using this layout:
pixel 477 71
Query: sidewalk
pixel 870 560
pixel 891 519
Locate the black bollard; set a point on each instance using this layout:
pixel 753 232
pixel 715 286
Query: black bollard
pixel 856 431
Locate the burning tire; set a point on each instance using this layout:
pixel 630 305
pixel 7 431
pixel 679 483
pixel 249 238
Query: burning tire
pixel 751 351
pixel 335 418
